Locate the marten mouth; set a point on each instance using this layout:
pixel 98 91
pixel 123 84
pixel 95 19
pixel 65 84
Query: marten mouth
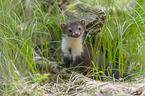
pixel 75 35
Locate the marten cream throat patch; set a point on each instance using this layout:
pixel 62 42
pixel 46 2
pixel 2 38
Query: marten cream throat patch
pixel 72 47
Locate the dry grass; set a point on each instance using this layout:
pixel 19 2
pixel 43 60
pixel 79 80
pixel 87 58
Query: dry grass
pixel 94 88
pixel 81 86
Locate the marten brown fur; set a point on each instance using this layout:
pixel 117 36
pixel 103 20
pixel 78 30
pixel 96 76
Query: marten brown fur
pixel 78 54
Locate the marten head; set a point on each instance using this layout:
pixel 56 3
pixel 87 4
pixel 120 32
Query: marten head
pixel 74 28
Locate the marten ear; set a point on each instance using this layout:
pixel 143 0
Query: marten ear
pixel 83 22
pixel 63 25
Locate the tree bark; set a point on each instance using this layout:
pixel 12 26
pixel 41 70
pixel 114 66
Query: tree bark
pixel 93 16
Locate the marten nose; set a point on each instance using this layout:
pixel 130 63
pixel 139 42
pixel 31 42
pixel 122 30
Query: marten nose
pixel 77 33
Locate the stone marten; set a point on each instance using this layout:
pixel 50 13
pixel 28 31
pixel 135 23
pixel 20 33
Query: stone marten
pixel 79 54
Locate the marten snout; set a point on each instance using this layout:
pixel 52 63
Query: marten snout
pixel 75 31
pixel 76 34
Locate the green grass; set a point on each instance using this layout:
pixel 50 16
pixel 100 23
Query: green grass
pixel 18 23
pixel 122 36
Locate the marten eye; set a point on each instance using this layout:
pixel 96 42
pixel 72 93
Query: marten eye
pixel 70 29
pixel 79 28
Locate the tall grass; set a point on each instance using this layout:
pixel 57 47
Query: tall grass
pixel 19 22
pixel 122 36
